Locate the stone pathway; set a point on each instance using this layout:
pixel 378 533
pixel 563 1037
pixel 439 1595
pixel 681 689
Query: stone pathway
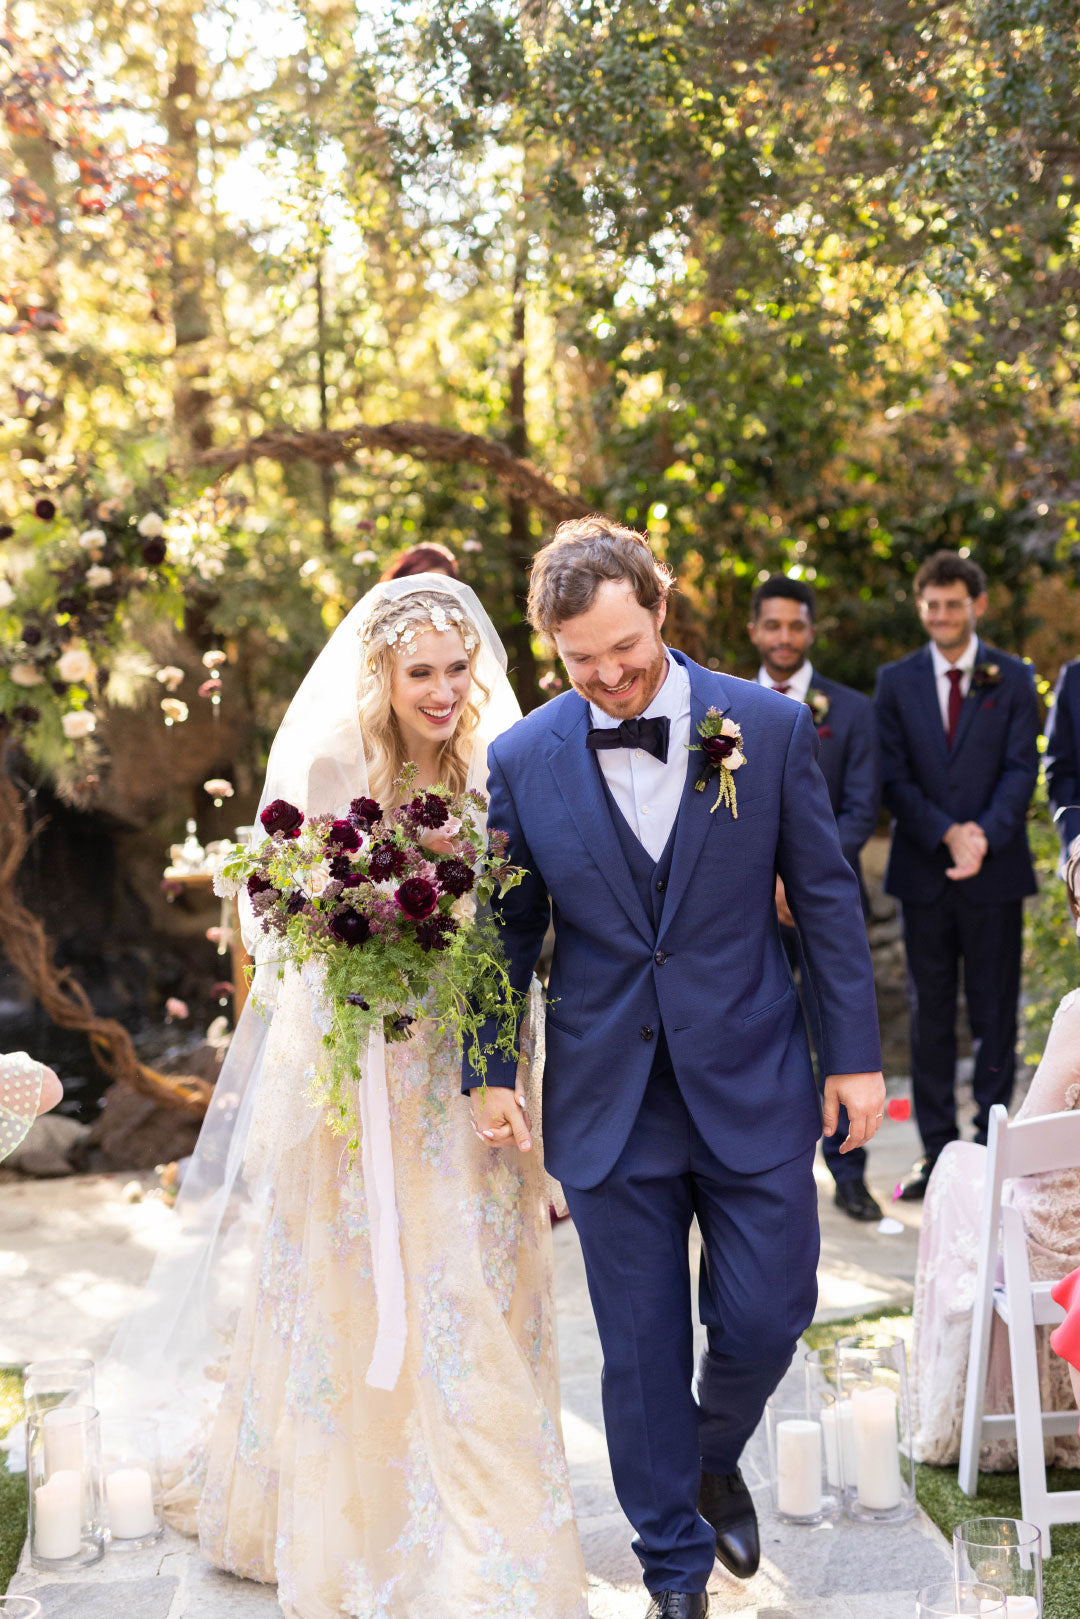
pixel 74 1252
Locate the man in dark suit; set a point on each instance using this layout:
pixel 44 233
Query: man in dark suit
pixel 1063 755
pixel 782 627
pixel 651 808
pixel 958 722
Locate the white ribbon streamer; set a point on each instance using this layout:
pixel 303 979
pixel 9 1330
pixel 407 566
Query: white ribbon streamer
pixel 377 1157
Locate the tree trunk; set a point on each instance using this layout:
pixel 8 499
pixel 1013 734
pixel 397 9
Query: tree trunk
pixel 190 316
pixel 517 635
pixel 326 471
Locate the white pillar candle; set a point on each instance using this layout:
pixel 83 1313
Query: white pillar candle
pixel 798 1467
pixel 838 1432
pixel 877 1449
pixel 130 1494
pixel 1015 1607
pixel 58 1516
pixel 65 1450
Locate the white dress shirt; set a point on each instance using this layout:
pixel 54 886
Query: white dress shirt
pixel 647 792
pixel 965 663
pixel 797 684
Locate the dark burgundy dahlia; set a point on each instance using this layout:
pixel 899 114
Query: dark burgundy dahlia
pixel 386 861
pixel 364 813
pixel 257 884
pixel 428 810
pixel 718 748
pixel 283 817
pixel 417 897
pixel 455 877
pixel 436 932
pixel 343 869
pixel 296 902
pixel 349 927
pixel 344 835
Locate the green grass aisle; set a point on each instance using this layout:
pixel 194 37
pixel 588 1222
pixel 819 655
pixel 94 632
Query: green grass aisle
pixel 12 1485
pixel 942 1499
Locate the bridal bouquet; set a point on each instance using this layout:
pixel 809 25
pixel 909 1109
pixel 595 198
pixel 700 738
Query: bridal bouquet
pixel 392 906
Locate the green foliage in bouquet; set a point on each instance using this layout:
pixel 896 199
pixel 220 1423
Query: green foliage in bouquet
pixel 393 908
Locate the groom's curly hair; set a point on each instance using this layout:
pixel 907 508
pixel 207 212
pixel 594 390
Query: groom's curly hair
pixel 583 552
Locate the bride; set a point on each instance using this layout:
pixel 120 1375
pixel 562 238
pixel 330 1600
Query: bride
pixel 355 1364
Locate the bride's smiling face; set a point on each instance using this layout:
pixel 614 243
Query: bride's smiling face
pixel 430 688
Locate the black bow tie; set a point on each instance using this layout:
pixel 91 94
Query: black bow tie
pixel 652 735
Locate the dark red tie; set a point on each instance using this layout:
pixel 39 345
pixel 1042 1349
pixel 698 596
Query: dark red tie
pixel 956 701
pixel 782 690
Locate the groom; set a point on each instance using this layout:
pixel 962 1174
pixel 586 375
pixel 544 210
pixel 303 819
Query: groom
pixel 678 1082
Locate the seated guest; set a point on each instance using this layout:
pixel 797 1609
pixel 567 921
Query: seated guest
pixel 948 1258
pixel 782 628
pixel 427 558
pixel 27 1088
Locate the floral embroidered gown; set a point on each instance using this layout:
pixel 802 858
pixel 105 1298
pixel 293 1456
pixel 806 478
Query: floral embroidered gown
pixel 448 1497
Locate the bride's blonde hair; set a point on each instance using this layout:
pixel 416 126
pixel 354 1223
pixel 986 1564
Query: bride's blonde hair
pixel 393 623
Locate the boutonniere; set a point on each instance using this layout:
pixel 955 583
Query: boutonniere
pixel 819 706
pixel 984 675
pixel 722 744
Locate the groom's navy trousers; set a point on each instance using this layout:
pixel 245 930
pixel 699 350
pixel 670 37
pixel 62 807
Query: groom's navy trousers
pixel 678 1081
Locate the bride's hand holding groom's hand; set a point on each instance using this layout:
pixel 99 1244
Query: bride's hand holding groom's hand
pixel 499 1117
pixel 864 1097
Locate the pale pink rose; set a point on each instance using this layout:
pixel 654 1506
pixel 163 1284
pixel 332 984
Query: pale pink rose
pixel 728 728
pixel 439 839
pixel 75 664
pixel 77 724
pixel 25 674
pixel 174 1007
pixel 735 760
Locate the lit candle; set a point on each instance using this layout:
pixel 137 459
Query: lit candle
pixel 798 1468
pixel 130 1494
pixel 64 1447
pixel 877 1449
pixel 838 1429
pixel 58 1516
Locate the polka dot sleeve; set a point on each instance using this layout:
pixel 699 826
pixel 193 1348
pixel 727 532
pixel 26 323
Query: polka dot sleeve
pixel 20 1093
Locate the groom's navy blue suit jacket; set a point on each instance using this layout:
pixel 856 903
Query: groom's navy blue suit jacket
pixel 1063 753
pixel 988 775
pixel 714 975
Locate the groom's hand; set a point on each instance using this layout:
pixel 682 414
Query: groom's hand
pixel 864 1097
pixel 499 1117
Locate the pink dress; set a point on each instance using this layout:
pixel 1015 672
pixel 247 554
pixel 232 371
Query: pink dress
pixel 1065 1339
pixel 948 1260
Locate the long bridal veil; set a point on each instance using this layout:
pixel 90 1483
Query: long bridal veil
pixel 169 1357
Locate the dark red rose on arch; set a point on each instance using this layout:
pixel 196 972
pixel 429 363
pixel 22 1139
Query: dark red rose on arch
pixel 387 860
pixel 259 885
pixel 6 531
pixel 283 817
pixel 718 748
pixel 417 897
pixel 344 835
pixel 45 509
pixel 25 714
pixel 364 812
pixel 428 810
pixel 455 877
pixel 349 927
pixel 154 552
pixel 32 634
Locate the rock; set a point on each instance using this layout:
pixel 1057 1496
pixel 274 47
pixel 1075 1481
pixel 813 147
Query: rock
pixel 48 1148
pixel 135 1132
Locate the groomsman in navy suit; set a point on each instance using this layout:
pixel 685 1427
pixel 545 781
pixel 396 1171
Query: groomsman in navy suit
pixel 782 628
pixel 1063 755
pixel 958 722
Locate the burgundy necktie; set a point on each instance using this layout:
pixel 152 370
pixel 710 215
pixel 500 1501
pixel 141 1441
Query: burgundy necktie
pixel 782 690
pixel 956 701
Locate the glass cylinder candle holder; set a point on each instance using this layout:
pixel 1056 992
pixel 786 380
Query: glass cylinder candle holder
pixel 67 1381
pixel 131 1465
pixel 1005 1552
pixel 838 1436
pixel 63 1480
pixel 872 1377
pixel 797 1469
pixel 12 1607
pixel 956 1599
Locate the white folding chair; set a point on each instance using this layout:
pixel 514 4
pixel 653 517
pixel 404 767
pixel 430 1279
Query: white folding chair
pixel 1029 1148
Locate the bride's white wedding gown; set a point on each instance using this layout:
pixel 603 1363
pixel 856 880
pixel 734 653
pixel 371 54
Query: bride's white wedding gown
pixel 447 1498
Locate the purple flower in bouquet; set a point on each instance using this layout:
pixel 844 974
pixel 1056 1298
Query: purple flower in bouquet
pixel 342 868
pixel 427 809
pixel 259 885
pixel 350 927
pixel 386 861
pixel 364 813
pixel 455 877
pixel 357 1000
pixel 397 1025
pixel 295 902
pixel 436 932
pixel 417 898
pixel 344 835
pixel 283 817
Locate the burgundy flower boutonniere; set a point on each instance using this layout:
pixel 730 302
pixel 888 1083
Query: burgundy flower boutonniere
pixel 722 744
pixel 985 675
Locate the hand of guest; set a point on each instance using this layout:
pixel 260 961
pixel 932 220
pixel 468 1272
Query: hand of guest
pixel 966 842
pixel 783 910
pixel 499 1119
pixel 864 1097
pixel 51 1090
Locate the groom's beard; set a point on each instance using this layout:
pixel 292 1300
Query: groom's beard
pixel 637 698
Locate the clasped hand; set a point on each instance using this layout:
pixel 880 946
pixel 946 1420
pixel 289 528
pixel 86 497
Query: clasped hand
pixel 966 842
pixel 499 1117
